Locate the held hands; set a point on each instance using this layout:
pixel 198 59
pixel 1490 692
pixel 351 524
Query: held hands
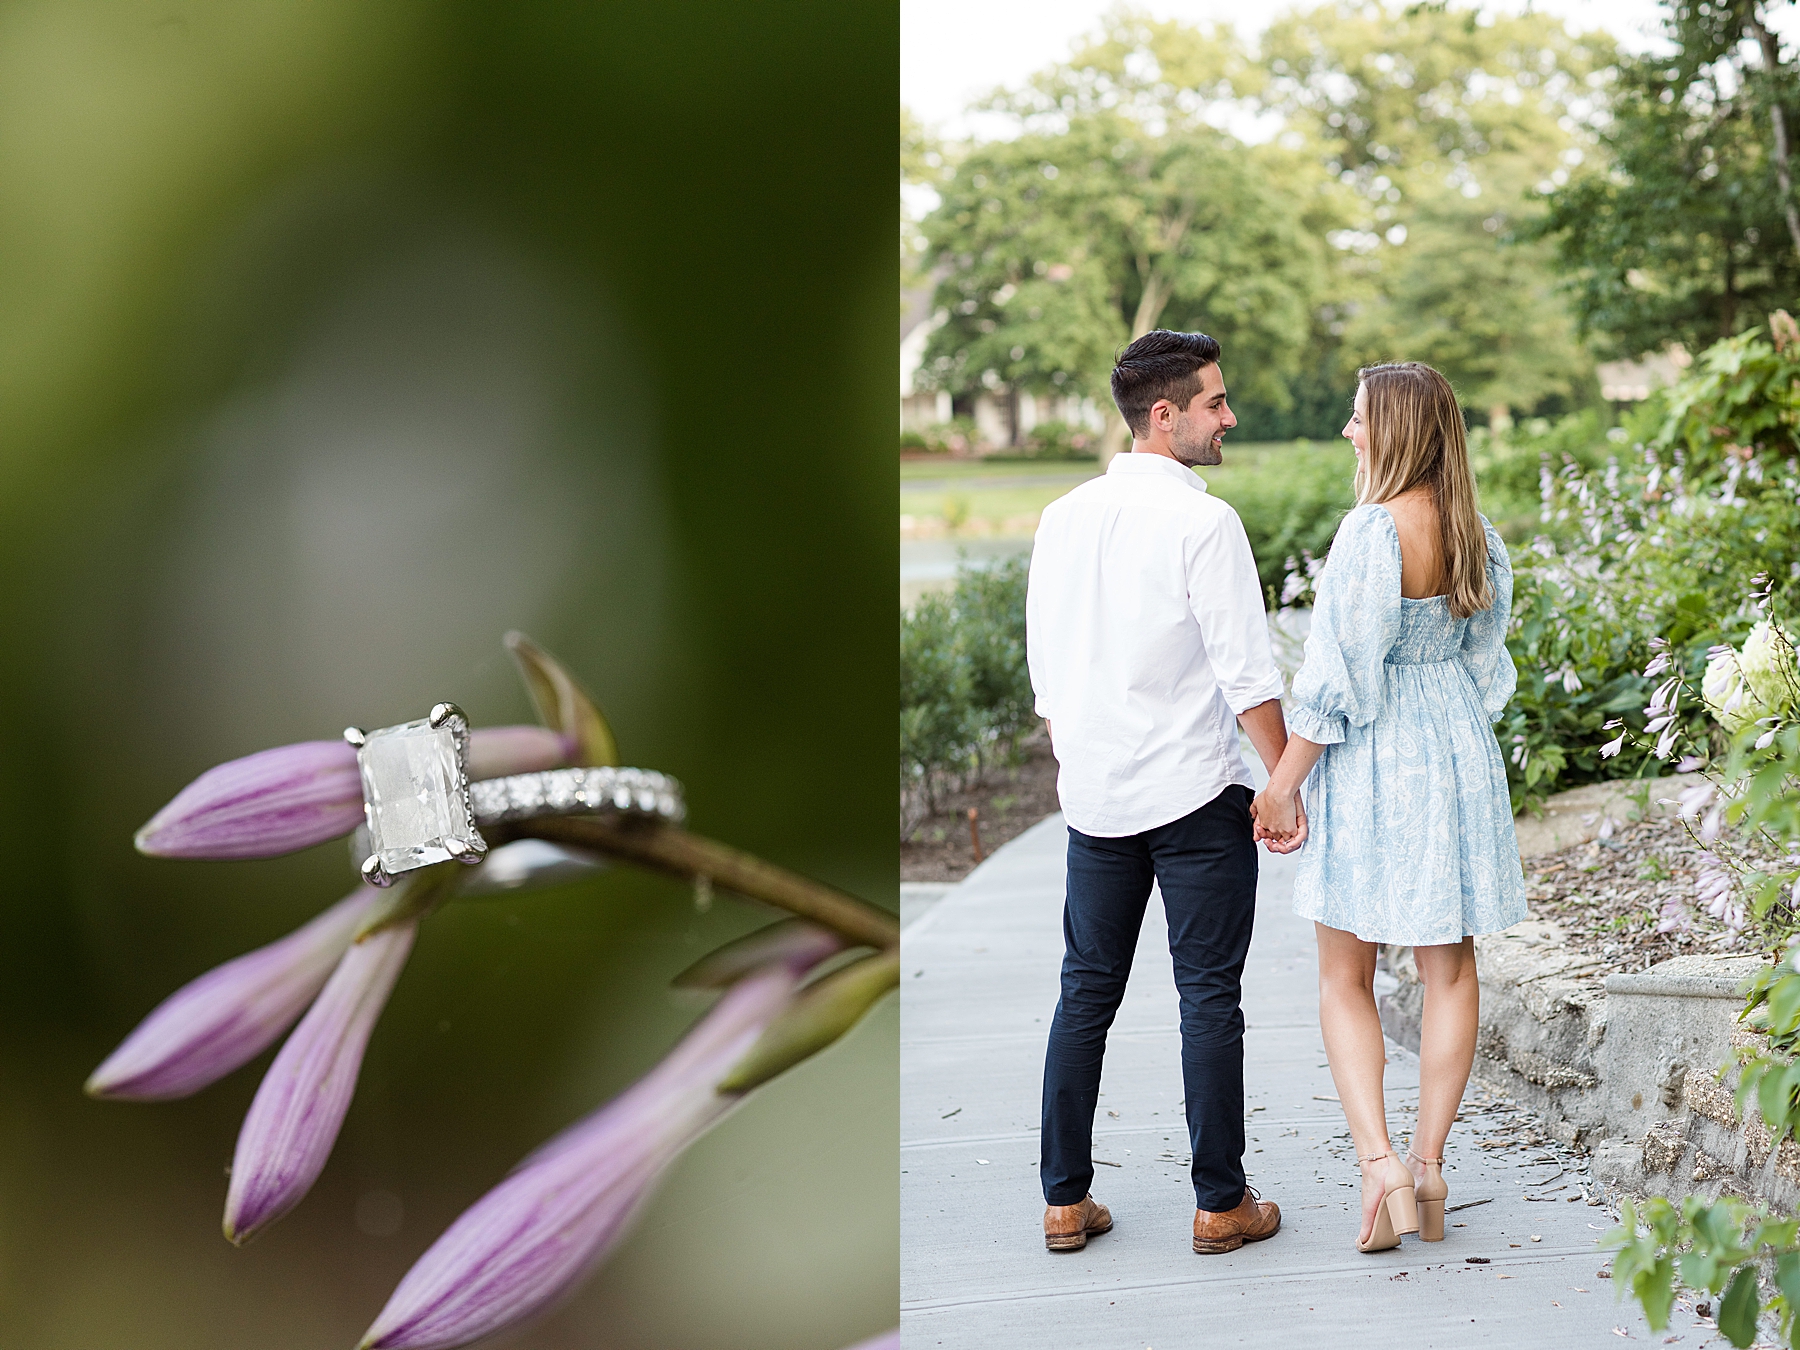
pixel 1280 820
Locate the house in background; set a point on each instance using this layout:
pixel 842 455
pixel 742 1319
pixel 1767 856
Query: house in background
pixel 1002 416
pixel 1632 381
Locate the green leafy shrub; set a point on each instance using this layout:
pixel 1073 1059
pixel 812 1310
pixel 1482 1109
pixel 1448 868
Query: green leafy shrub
pixel 1735 422
pixel 1290 498
pixel 1662 541
pixel 965 691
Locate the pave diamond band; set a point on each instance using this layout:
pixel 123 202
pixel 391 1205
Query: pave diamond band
pixel 562 792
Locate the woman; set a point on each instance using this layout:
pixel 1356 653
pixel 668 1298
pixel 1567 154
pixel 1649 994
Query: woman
pixel 1411 826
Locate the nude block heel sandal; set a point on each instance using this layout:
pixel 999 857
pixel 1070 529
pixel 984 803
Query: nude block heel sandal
pixel 1398 1212
pixel 1431 1193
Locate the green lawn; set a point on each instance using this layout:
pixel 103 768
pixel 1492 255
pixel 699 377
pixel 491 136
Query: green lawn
pixel 1290 494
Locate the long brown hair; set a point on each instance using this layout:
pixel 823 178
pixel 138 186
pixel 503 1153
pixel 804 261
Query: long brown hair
pixel 1416 437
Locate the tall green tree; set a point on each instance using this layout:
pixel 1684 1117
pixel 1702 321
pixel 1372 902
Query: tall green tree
pixel 924 163
pixel 1446 126
pixel 1689 229
pixel 1120 207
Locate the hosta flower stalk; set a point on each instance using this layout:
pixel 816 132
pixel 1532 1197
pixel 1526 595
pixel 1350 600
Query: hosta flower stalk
pixel 298 1110
pixel 231 1014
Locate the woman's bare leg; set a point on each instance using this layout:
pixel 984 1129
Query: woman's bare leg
pixel 1446 1040
pixel 1353 1042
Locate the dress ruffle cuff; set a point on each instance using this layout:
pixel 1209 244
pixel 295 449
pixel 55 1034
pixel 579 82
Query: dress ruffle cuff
pixel 1315 727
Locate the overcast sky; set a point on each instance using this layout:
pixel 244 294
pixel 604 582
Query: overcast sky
pixel 952 51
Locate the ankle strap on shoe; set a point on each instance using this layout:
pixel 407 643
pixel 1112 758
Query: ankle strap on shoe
pixel 1375 1157
pixel 1417 1157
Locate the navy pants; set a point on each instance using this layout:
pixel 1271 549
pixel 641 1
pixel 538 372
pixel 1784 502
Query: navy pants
pixel 1206 865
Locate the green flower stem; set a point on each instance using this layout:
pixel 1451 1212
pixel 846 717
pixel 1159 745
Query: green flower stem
pixel 667 848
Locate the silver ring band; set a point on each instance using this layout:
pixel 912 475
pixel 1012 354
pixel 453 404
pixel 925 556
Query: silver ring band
pixel 564 792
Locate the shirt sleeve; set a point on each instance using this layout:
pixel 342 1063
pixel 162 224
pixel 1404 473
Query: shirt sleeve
pixel 1225 597
pixel 1355 623
pixel 1484 654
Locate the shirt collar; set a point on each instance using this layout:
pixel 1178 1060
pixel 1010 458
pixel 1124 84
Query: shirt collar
pixel 1132 461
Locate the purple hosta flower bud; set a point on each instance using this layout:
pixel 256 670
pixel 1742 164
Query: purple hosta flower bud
pixel 1665 744
pixel 1695 799
pixel 1658 664
pixel 1674 917
pixel 272 802
pixel 1664 699
pixel 1715 892
pixel 295 796
pixel 231 1014
pixel 294 1120
pixel 1764 741
pixel 1689 763
pixel 1613 746
pixel 1656 724
pixel 1715 818
pixel 530 1240
pixel 497 752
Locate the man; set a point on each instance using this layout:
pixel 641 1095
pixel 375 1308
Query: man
pixel 1148 648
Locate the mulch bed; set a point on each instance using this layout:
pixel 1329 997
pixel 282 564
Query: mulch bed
pixel 1007 804
pixel 1608 896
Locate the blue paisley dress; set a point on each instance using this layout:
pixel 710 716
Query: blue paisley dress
pixel 1410 826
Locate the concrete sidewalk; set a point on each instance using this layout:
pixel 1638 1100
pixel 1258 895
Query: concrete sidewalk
pixel 979 986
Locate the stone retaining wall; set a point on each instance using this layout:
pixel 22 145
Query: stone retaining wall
pixel 1627 1067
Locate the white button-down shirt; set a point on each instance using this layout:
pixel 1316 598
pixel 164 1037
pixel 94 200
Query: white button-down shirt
pixel 1146 637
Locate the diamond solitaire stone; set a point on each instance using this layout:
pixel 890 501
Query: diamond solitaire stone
pixel 416 795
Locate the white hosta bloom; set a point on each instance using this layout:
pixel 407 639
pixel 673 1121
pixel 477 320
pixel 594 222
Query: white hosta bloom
pixel 1768 666
pixel 1734 704
pixel 1758 683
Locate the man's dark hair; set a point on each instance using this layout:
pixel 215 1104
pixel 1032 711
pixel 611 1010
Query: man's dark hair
pixel 1160 365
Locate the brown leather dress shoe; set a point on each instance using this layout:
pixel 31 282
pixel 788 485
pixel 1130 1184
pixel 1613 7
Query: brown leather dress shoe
pixel 1253 1220
pixel 1066 1227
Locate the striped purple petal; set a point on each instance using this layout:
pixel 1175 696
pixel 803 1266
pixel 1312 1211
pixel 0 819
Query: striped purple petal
pixel 295 796
pixel 231 1014
pixel 535 1236
pixel 294 1120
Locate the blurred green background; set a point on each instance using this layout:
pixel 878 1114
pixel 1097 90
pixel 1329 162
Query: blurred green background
pixel 334 341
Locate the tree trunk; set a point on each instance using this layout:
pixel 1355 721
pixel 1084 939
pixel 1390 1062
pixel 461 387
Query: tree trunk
pixel 1151 304
pixel 1771 54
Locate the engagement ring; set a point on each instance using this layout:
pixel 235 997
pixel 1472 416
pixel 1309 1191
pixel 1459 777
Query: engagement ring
pixel 421 809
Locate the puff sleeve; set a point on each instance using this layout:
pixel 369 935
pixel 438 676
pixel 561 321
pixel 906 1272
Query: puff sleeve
pixel 1355 623
pixel 1484 654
